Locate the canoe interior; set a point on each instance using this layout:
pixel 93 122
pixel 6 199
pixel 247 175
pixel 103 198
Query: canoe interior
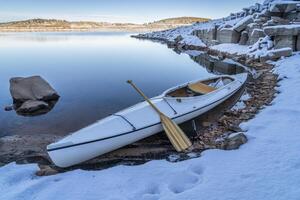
pixel 185 91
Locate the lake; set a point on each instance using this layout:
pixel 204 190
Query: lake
pixel 89 72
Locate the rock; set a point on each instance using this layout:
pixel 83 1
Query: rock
pixel 244 38
pixel 178 39
pixel 9 108
pixel 31 88
pixel 206 35
pixel 255 35
pixel 251 27
pixel 46 170
pixel 234 141
pixel 298 43
pixel 280 20
pixel 32 106
pixel 276 54
pixel 293 17
pixel 283 7
pixel 206 124
pixel 291 29
pixel 32 95
pixel 226 35
pixel 283 41
pixel 241 25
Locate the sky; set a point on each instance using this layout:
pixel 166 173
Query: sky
pixel 134 11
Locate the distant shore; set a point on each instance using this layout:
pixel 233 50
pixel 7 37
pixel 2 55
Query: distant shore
pixel 137 29
pixel 54 25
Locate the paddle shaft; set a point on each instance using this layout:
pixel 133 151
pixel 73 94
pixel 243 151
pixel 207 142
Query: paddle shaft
pixel 177 137
pixel 145 97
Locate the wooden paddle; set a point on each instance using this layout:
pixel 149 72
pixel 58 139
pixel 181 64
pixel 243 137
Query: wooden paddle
pixel 176 136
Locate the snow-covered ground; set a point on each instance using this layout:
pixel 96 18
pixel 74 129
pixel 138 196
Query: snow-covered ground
pixel 267 167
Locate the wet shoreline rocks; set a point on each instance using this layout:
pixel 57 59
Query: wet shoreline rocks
pixel 32 95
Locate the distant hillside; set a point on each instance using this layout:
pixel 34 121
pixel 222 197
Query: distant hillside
pixel 181 20
pixel 63 25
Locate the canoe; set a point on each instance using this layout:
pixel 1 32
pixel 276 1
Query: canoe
pixel 181 103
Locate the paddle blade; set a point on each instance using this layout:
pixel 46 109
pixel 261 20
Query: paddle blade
pixel 177 137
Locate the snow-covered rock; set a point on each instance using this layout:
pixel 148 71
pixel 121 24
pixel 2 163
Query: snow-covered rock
pixel 283 6
pixel 242 24
pixel 276 54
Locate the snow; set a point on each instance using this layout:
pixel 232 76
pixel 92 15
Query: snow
pixel 267 167
pixel 242 21
pixel 193 53
pixel 187 32
pixel 192 40
pixel 231 48
pixel 288 26
pixel 241 102
pixel 261 47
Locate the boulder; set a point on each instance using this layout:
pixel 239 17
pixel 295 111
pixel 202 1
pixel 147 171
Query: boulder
pixel 46 170
pixel 178 39
pixel 32 95
pixel 276 54
pixel 228 35
pixel 294 17
pixel 282 41
pixel 255 35
pixel 292 29
pixel 241 25
pixel 234 141
pixel 298 43
pixel 9 108
pixel 244 38
pixel 32 106
pixel 206 35
pixel 31 88
pixel 280 20
pixel 283 7
pixel 253 26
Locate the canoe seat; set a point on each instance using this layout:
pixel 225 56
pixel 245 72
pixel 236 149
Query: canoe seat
pixel 201 88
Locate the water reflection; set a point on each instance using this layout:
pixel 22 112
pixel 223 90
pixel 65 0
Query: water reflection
pixel 89 71
pixel 216 66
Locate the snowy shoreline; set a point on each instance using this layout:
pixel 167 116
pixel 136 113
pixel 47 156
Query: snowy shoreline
pixel 267 167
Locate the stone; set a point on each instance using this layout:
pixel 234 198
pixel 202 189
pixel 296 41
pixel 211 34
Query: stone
pixel 282 41
pixel 292 29
pixel 46 170
pixel 280 20
pixel 31 88
pixel 255 35
pixel 228 36
pixel 298 43
pixel 244 38
pixel 234 141
pixel 9 108
pixel 283 7
pixel 293 17
pixel 178 39
pixel 206 35
pixel 241 25
pixel 253 26
pixel 206 124
pixel 276 54
pixel 32 106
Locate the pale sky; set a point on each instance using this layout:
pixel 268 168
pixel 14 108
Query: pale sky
pixel 135 11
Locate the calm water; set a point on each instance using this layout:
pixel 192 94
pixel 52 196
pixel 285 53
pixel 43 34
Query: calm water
pixel 89 71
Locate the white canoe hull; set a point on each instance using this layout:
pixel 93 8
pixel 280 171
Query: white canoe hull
pixel 133 124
